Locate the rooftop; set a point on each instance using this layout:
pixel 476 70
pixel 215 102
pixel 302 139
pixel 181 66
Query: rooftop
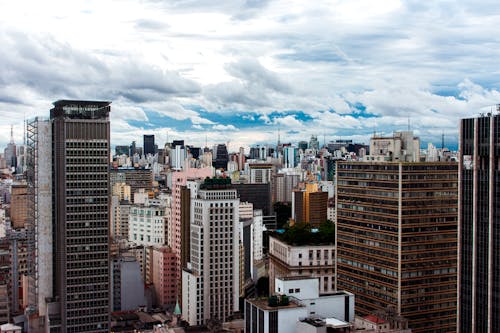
pixel 263 304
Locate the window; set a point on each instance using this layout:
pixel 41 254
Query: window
pixel 290 291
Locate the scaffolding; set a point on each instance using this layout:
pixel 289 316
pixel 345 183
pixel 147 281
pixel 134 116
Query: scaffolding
pixel 31 225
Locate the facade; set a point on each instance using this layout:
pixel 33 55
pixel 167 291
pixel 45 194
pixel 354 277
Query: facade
pixel 310 205
pixel 221 157
pixel 127 284
pixel 257 194
pixel 147 223
pixel 317 261
pixel 19 205
pixel 122 191
pixel 121 218
pixel 260 173
pixel 71 155
pixel 397 240
pixel 479 225
pixel 180 215
pixel 401 147
pixel 136 178
pixel 163 275
pixel 210 283
pixel 283 185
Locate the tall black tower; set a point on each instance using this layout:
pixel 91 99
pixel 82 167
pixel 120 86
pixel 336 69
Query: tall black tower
pixel 221 157
pixel 479 225
pixel 149 144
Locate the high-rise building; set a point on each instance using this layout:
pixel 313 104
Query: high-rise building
pixel 179 233
pixel 149 144
pixel 309 205
pixel 19 205
pixel 68 181
pixel 10 151
pixel 397 240
pixel 221 157
pixel 210 287
pixel 260 173
pixel 479 225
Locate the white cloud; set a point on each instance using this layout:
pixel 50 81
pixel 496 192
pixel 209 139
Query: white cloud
pixel 220 127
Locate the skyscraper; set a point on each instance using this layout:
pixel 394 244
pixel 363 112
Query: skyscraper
pixel 210 284
pixel 397 240
pixel 10 151
pixel 479 225
pixel 149 144
pixel 68 181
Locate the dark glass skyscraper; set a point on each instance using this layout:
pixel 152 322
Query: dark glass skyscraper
pixel 479 225
pixel 221 157
pixel 149 144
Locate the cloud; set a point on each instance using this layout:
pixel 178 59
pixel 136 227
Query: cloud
pixel 220 127
pixel 348 66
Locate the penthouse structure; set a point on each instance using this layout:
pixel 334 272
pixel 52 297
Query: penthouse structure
pixel 397 239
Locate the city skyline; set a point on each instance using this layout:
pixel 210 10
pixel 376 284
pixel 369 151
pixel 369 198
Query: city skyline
pixel 205 71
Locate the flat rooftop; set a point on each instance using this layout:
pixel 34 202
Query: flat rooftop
pixel 262 303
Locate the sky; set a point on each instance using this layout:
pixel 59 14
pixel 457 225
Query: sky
pixel 241 71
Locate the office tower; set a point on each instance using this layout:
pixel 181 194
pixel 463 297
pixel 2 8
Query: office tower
pixel 221 157
pixel 68 181
pixel 397 240
pixel 210 283
pixel 479 225
pixel 149 144
pixel 302 145
pixel 309 205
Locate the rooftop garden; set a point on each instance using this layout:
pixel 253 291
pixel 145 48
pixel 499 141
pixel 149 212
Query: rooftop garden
pixel 303 234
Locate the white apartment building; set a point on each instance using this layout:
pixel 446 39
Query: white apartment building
pixel 210 284
pixel 306 260
pixel 147 224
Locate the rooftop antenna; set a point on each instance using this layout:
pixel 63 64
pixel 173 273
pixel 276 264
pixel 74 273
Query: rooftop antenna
pixel 206 140
pixel 442 141
pixel 11 133
pixel 408 123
